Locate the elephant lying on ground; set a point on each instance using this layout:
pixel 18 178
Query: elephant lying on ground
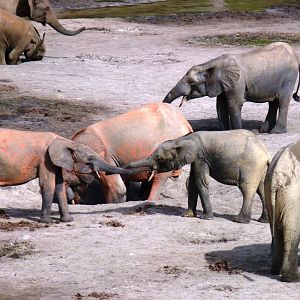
pixel 230 157
pixel 17 36
pixel 282 189
pixel 26 155
pixel 132 136
pixel 36 10
pixel 266 74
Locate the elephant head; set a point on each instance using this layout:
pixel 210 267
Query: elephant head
pixel 36 51
pixel 210 79
pixel 81 160
pixel 169 156
pixel 41 11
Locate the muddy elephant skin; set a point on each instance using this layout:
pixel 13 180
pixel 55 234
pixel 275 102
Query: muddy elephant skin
pixel 234 157
pixel 132 136
pixel 282 189
pixel 26 155
pixel 266 74
pixel 18 36
pixel 37 10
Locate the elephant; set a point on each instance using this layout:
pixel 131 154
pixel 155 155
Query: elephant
pixel 282 186
pixel 234 157
pixel 266 74
pixel 18 36
pixel 131 136
pixel 37 10
pixel 26 155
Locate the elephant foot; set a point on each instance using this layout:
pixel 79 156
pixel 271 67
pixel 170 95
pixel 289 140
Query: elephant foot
pixel 240 218
pixel 190 213
pixel 263 219
pixel 264 128
pixel 66 219
pixel 275 270
pixel 288 277
pixel 206 216
pixel 46 220
pixel 278 130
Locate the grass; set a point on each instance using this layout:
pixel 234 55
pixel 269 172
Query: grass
pixel 169 7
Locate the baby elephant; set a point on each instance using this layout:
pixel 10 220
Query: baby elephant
pixel 18 36
pixel 26 155
pixel 282 189
pixel 230 157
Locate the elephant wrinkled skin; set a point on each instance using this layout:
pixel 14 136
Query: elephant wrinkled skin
pixel 282 190
pixel 133 136
pixel 26 155
pixel 37 10
pixel 266 74
pixel 233 157
pixel 17 36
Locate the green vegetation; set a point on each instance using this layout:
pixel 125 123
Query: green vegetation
pixel 170 7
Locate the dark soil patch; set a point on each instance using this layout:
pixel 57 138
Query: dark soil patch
pixel 61 117
pixel 101 296
pixel 177 271
pixel 222 265
pixel 16 249
pixel 11 226
pixel 112 223
pixel 245 39
pixel 4 215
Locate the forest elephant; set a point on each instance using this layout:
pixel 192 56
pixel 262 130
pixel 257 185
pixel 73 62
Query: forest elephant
pixel 234 157
pixel 18 36
pixel 37 10
pixel 282 190
pixel 132 136
pixel 26 155
pixel 266 74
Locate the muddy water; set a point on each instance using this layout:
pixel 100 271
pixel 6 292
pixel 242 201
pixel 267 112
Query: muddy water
pixel 130 8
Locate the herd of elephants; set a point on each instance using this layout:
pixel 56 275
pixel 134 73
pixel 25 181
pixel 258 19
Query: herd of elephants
pixel 114 153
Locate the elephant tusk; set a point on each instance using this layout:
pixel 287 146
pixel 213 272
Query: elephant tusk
pixel 152 175
pixel 184 99
pixel 98 175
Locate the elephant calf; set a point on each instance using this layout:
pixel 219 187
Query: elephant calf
pixel 282 190
pixel 26 155
pixel 230 157
pixel 18 36
pixel 266 74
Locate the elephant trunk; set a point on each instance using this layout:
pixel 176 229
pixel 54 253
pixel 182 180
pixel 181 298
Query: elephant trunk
pixel 180 89
pixel 145 164
pixel 54 23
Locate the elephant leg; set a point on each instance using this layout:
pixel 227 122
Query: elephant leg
pixel 270 121
pixel 2 58
pixel 192 195
pixel 277 249
pixel 60 190
pixel 47 185
pixel 264 218
pixel 114 186
pixel 16 52
pixel 222 110
pixel 201 173
pixel 289 270
pixel 283 103
pixel 145 189
pixel 159 179
pixel 234 109
pixel 248 191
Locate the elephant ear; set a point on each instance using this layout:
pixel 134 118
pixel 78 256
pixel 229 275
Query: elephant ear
pixel 186 151
pixel 60 152
pixel 222 75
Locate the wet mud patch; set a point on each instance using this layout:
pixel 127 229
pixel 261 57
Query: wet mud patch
pixel 12 226
pixel 96 295
pixel 245 39
pixel 43 114
pixel 15 249
pixel 221 266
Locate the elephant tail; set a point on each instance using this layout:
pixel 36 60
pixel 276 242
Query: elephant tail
pixel 295 95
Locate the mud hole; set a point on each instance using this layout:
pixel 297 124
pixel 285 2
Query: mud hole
pixel 44 114
pixel 245 39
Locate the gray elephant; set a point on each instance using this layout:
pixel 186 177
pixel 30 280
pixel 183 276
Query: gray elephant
pixel 26 155
pixel 18 36
pixel 233 157
pixel 282 186
pixel 36 10
pixel 266 74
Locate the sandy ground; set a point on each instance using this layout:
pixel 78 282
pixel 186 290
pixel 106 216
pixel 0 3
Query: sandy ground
pixel 128 251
